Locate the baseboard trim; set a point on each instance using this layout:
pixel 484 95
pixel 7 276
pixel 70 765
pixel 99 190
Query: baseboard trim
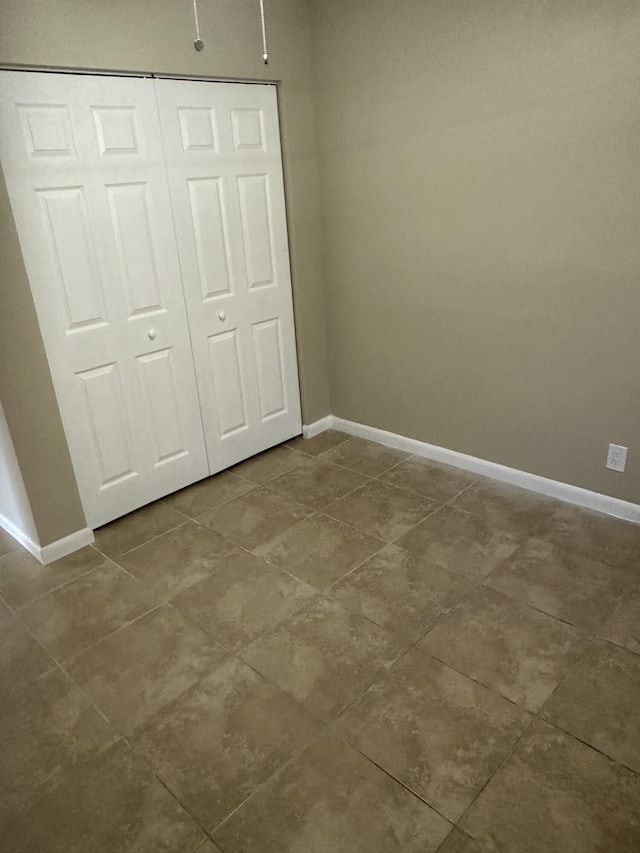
pixel 21 537
pixel 534 483
pixel 311 430
pixel 55 550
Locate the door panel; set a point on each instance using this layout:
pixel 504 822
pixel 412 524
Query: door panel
pixel 83 161
pixel 222 150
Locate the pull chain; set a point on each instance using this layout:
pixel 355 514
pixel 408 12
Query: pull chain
pixel 198 43
pixel 265 54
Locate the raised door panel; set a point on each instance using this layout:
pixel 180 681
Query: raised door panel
pixel 83 161
pixel 222 151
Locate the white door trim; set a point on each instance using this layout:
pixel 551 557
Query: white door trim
pixel 514 476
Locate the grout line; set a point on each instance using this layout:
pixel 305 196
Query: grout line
pixel 115 557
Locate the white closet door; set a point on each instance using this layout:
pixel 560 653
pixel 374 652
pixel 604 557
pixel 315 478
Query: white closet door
pixel 222 149
pixel 84 165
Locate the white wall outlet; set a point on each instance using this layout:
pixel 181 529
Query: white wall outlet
pixel 616 457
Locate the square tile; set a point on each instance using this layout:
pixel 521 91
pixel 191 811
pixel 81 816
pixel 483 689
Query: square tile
pixel 381 510
pixel 317 483
pixel 253 519
pixel 271 463
pixel 208 493
pixel 459 842
pixel 518 509
pixel 135 671
pixel 131 530
pixel 599 702
pixel 175 561
pixel 400 591
pixel 509 647
pixel 324 656
pixel 243 599
pixel 112 803
pixel 73 617
pixel 320 443
pixel 319 550
pixel 45 730
pixel 610 540
pixel 439 733
pixel 570 586
pixel 461 543
pixel 333 799
pixel 365 457
pixel 429 479
pixel 222 739
pixel 23 578
pixel 22 659
pixel 556 794
pixel 623 626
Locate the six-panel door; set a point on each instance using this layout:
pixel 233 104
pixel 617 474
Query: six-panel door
pixel 222 149
pixel 84 166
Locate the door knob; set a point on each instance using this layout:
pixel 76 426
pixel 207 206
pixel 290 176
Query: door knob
pixel 152 334
pixel 222 316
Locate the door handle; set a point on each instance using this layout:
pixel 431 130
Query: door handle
pixel 152 334
pixel 222 316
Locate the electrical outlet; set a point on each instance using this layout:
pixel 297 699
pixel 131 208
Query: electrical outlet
pixel 616 457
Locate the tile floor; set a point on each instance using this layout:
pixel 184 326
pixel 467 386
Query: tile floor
pixel 332 648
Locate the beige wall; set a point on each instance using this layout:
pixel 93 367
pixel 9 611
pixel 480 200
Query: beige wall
pixel 28 400
pixel 14 503
pixel 157 35
pixel 480 181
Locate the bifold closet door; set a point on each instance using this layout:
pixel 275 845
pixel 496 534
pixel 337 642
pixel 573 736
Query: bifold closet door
pixel 223 157
pixel 84 165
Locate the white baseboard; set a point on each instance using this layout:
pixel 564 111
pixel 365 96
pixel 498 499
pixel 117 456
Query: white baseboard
pixel 542 485
pixel 67 545
pixel 55 550
pixel 317 427
pixel 19 536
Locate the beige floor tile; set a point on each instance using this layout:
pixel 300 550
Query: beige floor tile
pixel 208 493
pixel 623 627
pixel 253 519
pixel 112 803
pixel 243 599
pixel 400 591
pixel 515 508
pixel 218 742
pixel 320 443
pixel 324 656
pixel 45 730
pixel 599 702
pixel 459 842
pixel 332 799
pixel 23 578
pixel 439 733
pixel 429 479
pixel 557 795
pixel 175 561
pixel 381 510
pixel 8 543
pixel 602 537
pixel 75 616
pixel 271 463
pixel 317 483
pixel 319 550
pixel 22 659
pixel 509 647
pixel 131 530
pixel 570 586
pixel 134 672
pixel 461 543
pixel 365 457
pixel 208 847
